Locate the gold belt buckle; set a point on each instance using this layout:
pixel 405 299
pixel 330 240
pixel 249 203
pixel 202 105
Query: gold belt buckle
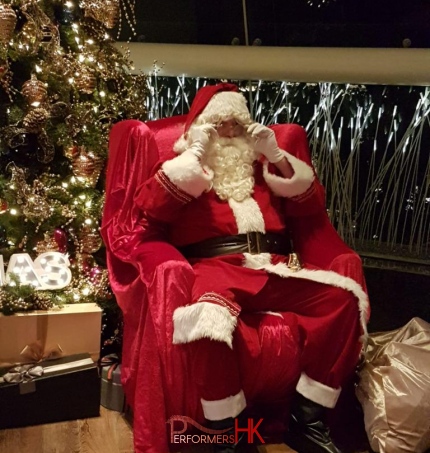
pixel 294 262
pixel 249 237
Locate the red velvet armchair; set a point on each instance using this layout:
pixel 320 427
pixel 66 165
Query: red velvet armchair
pixel 150 279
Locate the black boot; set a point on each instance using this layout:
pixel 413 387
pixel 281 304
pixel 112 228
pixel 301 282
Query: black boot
pixel 218 425
pixel 231 446
pixel 307 431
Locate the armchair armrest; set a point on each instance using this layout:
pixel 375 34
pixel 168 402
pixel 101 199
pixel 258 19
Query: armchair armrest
pixel 155 272
pixel 350 265
pixel 152 257
pixel 318 244
pixel 168 278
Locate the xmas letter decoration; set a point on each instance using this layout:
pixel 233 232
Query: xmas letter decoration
pixel 49 270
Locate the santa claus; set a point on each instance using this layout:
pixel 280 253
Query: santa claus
pixel 224 201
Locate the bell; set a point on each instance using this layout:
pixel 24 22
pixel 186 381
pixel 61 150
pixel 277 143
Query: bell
pixel 294 262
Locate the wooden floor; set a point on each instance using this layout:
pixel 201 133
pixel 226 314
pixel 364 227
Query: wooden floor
pixel 109 433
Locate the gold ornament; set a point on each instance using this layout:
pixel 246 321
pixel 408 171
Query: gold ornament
pixel 47 245
pixel 36 208
pixel 46 150
pixel 34 91
pixel 112 13
pixel 50 37
pixel 84 261
pixel 42 301
pixel 35 120
pixel 48 34
pixel 72 152
pixel 28 40
pixel 59 109
pixel 68 212
pixel 90 240
pixel 87 167
pixel 7 23
pixel 10 303
pixel 104 11
pixel 85 81
pixel 31 199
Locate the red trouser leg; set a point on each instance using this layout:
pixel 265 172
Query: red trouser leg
pixel 328 319
pixel 329 323
pixel 215 369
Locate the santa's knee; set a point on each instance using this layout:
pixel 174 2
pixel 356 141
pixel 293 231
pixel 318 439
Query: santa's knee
pixel 341 298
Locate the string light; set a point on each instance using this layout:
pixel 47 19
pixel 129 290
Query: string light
pixel 320 3
pixel 351 129
pixel 85 118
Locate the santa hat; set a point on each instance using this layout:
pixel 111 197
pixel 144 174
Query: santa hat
pixel 212 104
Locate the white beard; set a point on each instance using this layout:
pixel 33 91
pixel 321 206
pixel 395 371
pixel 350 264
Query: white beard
pixel 231 160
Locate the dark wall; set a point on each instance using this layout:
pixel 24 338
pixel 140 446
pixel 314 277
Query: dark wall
pixel 336 23
pixel 396 297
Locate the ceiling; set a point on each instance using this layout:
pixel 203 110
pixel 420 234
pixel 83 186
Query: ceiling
pixel 324 23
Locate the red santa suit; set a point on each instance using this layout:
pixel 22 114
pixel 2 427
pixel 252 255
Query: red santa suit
pixel 330 308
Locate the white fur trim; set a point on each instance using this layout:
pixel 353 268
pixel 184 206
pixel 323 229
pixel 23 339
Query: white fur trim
pixel 258 261
pixel 181 144
pixel 248 215
pixel 203 320
pixel 186 173
pixel 271 313
pixel 263 261
pixel 298 184
pixel 228 407
pixel 317 392
pixel 225 105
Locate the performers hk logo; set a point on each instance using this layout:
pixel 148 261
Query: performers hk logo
pixel 179 426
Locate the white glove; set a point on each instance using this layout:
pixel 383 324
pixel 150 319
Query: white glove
pixel 198 138
pixel 266 143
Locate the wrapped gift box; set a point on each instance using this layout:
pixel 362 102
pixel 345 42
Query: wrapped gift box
pixel 68 389
pixel 74 328
pixel 112 396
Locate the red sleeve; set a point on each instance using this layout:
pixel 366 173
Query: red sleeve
pixel 308 203
pixel 160 199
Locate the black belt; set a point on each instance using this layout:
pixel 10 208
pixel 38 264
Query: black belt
pixel 241 243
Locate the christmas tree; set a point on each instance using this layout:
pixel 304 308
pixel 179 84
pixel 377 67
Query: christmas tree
pixel 62 86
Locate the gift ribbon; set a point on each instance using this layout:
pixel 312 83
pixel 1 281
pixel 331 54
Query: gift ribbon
pixel 112 361
pixel 36 352
pixel 23 373
pixel 43 348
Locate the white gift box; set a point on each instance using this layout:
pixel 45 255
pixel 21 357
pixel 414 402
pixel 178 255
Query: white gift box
pixel 71 329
